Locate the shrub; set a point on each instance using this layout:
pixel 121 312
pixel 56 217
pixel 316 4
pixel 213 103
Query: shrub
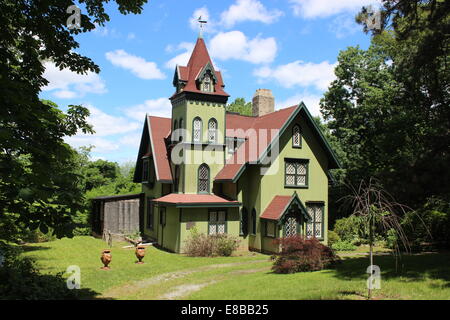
pixel 351 229
pixel 299 254
pixel 35 236
pixel 333 237
pixel 225 245
pixel 344 246
pixel 201 245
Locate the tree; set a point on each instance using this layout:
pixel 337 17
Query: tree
pixel 378 210
pixel 240 106
pixel 38 187
pixel 389 104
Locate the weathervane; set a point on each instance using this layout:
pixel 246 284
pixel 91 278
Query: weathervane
pixel 201 22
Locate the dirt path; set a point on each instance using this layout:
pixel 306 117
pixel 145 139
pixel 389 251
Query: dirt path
pixel 184 290
pixel 136 286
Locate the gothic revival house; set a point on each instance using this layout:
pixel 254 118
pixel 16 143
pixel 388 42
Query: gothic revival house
pixel 256 177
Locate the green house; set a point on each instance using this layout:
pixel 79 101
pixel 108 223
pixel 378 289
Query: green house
pixel 257 177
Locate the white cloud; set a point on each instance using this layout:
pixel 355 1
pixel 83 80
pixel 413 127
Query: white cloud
pixel 235 45
pixel 106 125
pixel 65 94
pixel 325 8
pixel 131 140
pixel 343 26
pixel 101 145
pixel 66 84
pixel 160 107
pixel 112 133
pixel 311 101
pixel 248 10
pixel 137 65
pixel 181 59
pixel 301 74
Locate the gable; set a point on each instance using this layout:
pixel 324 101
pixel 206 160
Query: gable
pixel 281 120
pixel 153 143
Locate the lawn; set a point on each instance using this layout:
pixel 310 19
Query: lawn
pixel 245 276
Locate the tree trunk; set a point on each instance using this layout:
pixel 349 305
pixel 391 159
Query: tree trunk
pixel 370 255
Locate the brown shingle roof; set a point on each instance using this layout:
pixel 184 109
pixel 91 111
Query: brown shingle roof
pixel 276 207
pixel 195 199
pixel 252 149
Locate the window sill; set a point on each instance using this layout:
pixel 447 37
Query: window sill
pixel 296 187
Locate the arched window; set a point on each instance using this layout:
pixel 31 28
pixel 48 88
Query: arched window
pixel 181 135
pixel 203 179
pixel 207 83
pixel 296 137
pixel 174 132
pixel 243 230
pixel 176 181
pixel 253 231
pixel 212 130
pixel 197 130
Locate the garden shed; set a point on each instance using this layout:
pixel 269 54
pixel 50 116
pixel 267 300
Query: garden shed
pixel 118 214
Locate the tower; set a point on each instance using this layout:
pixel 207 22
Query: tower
pixel 198 122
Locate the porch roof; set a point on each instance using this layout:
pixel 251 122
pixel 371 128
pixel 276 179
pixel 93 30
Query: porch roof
pixel 196 201
pixel 280 205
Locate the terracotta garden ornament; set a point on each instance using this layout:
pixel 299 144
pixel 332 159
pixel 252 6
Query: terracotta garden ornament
pixel 106 259
pixel 140 253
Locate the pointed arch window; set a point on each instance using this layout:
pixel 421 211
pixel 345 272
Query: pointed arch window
pixel 181 134
pixel 197 130
pixel 296 137
pixel 174 133
pixel 253 230
pixel 212 130
pixel 203 179
pixel 176 181
pixel 243 223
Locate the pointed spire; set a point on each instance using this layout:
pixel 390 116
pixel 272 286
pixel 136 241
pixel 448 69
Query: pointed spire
pixel 198 61
pixel 201 22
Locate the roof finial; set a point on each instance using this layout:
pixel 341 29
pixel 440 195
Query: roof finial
pixel 201 22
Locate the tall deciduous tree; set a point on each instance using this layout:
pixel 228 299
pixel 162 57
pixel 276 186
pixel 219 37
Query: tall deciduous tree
pixel 390 104
pixel 37 186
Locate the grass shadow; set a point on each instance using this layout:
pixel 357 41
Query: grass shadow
pixel 415 267
pixel 30 248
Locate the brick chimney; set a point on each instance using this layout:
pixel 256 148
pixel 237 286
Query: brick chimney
pixel 263 102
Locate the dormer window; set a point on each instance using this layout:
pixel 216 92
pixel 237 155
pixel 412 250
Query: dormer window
pixel 207 83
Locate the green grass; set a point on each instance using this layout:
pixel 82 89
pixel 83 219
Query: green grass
pixel 246 276
pixel 423 277
pixel 56 256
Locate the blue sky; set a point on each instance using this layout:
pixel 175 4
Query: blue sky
pixel 288 46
